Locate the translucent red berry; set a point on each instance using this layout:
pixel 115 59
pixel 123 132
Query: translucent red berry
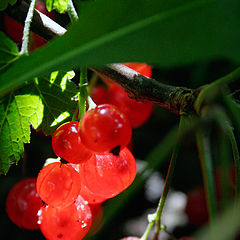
pixel 23 203
pixel 107 175
pixel 137 112
pixel 58 184
pixel 105 128
pixel 100 94
pixel 67 144
pixel 142 68
pixel 69 223
pixel 90 197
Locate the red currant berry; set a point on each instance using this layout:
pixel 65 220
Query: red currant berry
pixel 107 175
pixel 142 68
pixel 105 128
pixel 67 144
pixel 23 203
pixel 100 94
pixel 137 112
pixel 69 223
pixel 58 184
pixel 90 197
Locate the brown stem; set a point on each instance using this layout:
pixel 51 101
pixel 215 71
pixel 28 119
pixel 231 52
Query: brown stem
pixel 138 87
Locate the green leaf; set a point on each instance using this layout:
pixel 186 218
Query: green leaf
pixel 8 51
pixel 59 5
pixel 16 114
pixel 43 103
pixel 4 4
pixel 165 33
pixel 56 92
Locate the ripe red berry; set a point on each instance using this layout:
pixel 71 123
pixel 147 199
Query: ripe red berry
pixel 69 223
pixel 107 175
pixel 142 68
pixel 67 144
pixel 105 128
pixel 137 112
pixel 23 203
pixel 58 184
pixel 90 197
pixel 100 94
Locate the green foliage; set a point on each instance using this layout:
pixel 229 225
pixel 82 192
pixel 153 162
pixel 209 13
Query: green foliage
pixel 56 95
pixel 16 114
pixel 59 5
pixel 43 104
pixel 8 52
pixel 4 3
pixel 165 33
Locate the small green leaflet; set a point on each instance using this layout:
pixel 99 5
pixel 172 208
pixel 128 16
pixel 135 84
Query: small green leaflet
pixel 59 5
pixel 16 114
pixel 4 4
pixel 8 52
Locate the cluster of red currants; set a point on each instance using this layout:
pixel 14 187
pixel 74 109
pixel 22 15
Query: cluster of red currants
pixel 137 112
pixel 96 165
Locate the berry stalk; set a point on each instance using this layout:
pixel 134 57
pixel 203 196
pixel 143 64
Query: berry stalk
pixel 156 217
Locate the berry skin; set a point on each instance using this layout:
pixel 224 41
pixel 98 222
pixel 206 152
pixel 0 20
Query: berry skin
pixel 90 197
pixel 137 112
pixel 105 128
pixel 67 144
pixel 23 203
pixel 69 223
pixel 100 94
pixel 107 175
pixel 58 185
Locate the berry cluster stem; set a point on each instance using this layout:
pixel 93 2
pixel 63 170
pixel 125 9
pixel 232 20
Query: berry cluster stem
pixel 83 94
pixel 156 217
pixel 26 31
